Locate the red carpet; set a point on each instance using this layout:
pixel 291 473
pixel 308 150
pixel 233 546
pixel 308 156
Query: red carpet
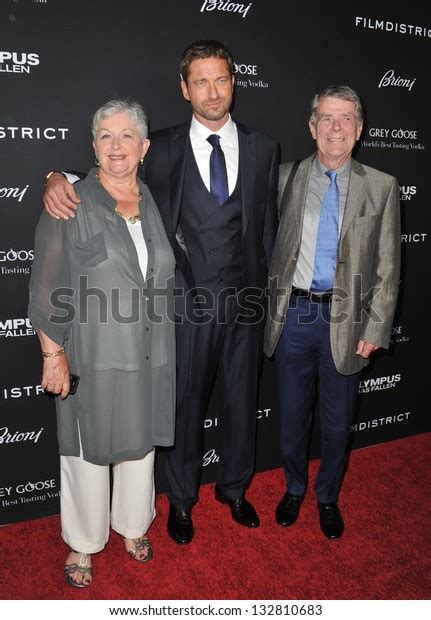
pixel 384 554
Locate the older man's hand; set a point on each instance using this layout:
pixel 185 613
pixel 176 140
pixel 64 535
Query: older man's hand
pixel 364 348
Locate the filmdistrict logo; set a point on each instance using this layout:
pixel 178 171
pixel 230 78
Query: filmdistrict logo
pixel 389 26
pixel 414 237
pixel 25 391
pixel 261 414
pixel 380 422
pixel 33 133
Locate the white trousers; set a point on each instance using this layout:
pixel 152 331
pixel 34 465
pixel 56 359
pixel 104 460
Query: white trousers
pixel 84 501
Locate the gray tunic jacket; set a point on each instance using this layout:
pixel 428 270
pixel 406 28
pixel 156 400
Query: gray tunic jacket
pixel 87 292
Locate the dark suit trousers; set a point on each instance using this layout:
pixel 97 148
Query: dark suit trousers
pixel 231 354
pixel 303 357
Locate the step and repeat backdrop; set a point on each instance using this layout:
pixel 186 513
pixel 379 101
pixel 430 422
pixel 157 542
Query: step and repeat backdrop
pixel 60 60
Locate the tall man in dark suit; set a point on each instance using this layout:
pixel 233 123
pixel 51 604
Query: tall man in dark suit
pixel 334 279
pixel 215 183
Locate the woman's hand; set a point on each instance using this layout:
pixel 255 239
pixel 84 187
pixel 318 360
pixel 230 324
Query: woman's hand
pixel 55 376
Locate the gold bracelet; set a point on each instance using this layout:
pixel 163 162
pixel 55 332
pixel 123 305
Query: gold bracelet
pixel 53 353
pixel 49 175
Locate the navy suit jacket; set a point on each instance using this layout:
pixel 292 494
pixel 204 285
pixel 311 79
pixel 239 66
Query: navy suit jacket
pixel 164 172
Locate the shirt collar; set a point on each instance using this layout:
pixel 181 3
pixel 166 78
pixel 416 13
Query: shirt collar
pixel 320 169
pixel 199 133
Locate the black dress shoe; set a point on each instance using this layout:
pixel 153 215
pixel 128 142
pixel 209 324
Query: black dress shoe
pixel 331 521
pixel 288 509
pixel 241 509
pixel 180 525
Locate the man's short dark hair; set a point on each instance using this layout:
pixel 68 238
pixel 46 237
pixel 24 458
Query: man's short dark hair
pixel 207 48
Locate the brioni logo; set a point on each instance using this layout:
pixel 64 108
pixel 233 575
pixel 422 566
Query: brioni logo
pixel 390 79
pixel 229 7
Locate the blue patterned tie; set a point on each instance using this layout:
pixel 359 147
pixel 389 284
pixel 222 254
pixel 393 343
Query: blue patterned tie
pixel 218 175
pixel 325 259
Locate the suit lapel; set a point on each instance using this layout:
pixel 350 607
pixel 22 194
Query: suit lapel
pixel 299 190
pixel 355 195
pixel 178 145
pixel 247 169
pixel 293 202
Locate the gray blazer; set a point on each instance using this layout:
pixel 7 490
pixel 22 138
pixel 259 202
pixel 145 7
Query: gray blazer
pixel 368 261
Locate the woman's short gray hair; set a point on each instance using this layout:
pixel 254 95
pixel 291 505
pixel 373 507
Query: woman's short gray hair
pixel 341 92
pixel 129 106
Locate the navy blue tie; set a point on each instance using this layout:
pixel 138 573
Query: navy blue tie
pixel 218 176
pixel 325 259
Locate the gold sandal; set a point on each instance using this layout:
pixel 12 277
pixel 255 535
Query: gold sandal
pixel 141 544
pixel 82 567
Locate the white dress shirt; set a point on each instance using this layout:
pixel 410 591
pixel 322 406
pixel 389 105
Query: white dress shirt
pixel 202 150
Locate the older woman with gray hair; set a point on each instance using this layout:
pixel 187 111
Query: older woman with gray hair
pixel 101 300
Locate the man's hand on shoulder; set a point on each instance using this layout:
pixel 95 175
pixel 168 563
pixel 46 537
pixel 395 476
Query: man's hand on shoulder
pixel 60 198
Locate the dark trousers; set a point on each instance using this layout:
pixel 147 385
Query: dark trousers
pixel 303 355
pixel 231 354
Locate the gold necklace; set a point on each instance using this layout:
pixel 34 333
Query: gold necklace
pixel 131 219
